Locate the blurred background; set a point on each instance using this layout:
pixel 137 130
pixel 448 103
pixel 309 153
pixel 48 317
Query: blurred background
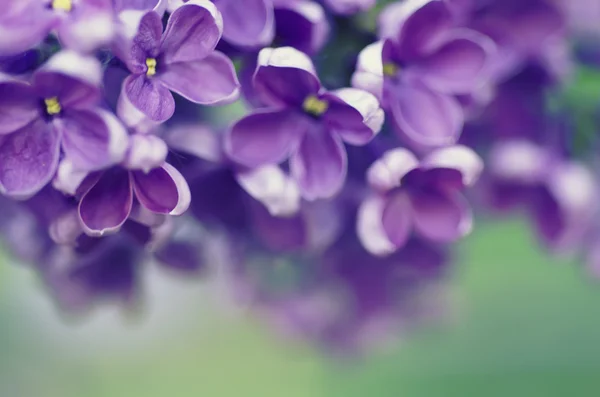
pixel 522 324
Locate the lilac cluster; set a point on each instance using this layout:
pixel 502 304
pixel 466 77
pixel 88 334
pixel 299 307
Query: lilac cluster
pixel 331 194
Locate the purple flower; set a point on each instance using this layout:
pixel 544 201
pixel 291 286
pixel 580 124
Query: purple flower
pixel 301 24
pixel 250 26
pixel 417 71
pixel 558 194
pixel 303 123
pixel 182 60
pixel 58 109
pixel 421 195
pixel 82 25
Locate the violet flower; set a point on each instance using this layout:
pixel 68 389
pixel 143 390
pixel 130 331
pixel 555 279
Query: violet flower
pixel 303 123
pixel 82 25
pixel 558 194
pixel 182 60
pixel 58 109
pixel 417 71
pixel 348 7
pixel 421 195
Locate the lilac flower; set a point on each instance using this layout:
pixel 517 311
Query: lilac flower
pixel 417 71
pixel 301 24
pixel 304 123
pixel 421 195
pixel 58 109
pixel 82 25
pixel 106 198
pixel 250 26
pixel 182 60
pixel 558 194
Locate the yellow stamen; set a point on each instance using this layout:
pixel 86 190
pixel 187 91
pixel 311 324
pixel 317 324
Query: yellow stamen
pixel 52 106
pixel 151 64
pixel 390 69
pixel 65 5
pixel 314 106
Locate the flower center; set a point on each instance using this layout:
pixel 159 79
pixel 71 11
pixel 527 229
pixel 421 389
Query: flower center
pixel 52 106
pixel 151 65
pixel 390 69
pixel 314 105
pixel 65 5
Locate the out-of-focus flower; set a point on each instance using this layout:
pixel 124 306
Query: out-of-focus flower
pixel 559 194
pixel 348 7
pixel 182 60
pixel 82 25
pixel 304 122
pixel 421 195
pixel 57 109
pixel 417 70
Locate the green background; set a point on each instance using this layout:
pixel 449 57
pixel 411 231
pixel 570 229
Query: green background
pixel 523 324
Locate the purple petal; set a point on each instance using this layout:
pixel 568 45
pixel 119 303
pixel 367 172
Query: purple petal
pixel 66 228
pixel 106 206
pixel 23 25
pixel 369 227
pixel 397 218
pixel 349 7
pixel 422 29
pixel 196 139
pixel 369 70
pixel 162 190
pixel 458 66
pixel 285 76
pixel 192 33
pixel 302 24
pixel 354 114
pixel 249 26
pixel 265 137
pixel 146 43
pixel 460 158
pixel 72 78
pixel 150 97
pixel 209 81
pixel 146 152
pixel 19 106
pixel 273 188
pixel 426 117
pixel 142 5
pixel 28 159
pixel 68 178
pixel 89 27
pixel 320 164
pixel 439 216
pixel 92 139
pixel 387 172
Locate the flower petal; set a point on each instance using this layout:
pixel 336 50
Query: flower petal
pixel 426 117
pixel 19 106
pixel 68 178
pixel 249 26
pixel 369 227
pixel 92 139
pixel 285 76
pixel 459 65
pixel 354 114
pixel 146 152
pixel 150 97
pixel 105 207
pixel 196 139
pixel 397 219
pixel 192 33
pixel 320 164
pixel 209 81
pixel 23 25
pixel 439 216
pixel 162 190
pixel 273 188
pixel 387 172
pixel 265 137
pixel 28 159
pixel 458 157
pixel 302 24
pixel 90 27
pixel 369 70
